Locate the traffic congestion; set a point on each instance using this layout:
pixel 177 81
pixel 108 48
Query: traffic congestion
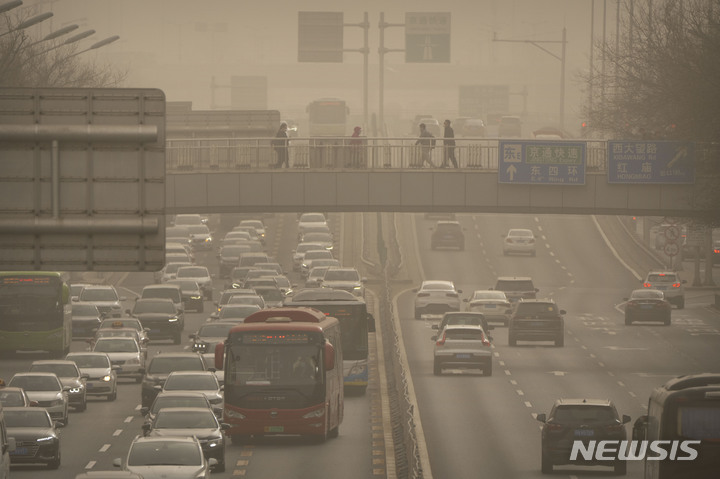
pixel 512 339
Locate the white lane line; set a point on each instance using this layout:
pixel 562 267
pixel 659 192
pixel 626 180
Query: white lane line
pixel 104 448
pixel 615 253
pixel 502 363
pixel 128 419
pixel 138 407
pixel 90 465
pixel 601 364
pixel 622 384
pixel 507 373
pixel 632 394
pixel 528 404
pixel 117 432
pixel 519 392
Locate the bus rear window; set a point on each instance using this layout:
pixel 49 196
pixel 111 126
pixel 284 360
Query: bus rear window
pixel 701 423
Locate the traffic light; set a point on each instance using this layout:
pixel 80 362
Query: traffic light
pixel 584 127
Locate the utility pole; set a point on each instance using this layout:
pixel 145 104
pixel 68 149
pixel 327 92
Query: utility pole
pixel 560 57
pixel 365 50
pixel 382 51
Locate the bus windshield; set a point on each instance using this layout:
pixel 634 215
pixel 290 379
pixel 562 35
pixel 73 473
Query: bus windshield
pixel 274 365
pixel 699 422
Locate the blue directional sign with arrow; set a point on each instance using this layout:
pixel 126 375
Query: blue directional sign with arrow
pixel 659 162
pixel 544 162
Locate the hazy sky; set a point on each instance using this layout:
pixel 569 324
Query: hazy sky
pixel 180 45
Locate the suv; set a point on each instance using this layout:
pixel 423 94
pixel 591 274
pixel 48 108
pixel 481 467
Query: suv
pixel 583 420
pixel 537 320
pixel 436 297
pixel 462 346
pixel 516 287
pixel 668 282
pixel 160 366
pixel 447 233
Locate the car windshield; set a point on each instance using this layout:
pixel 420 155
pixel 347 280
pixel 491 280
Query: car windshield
pixel 489 295
pixel 463 319
pixel 11 398
pixel 238 311
pixel 184 419
pixel 437 285
pixel 341 275
pixel 116 345
pixel 90 361
pixel 97 294
pixel 170 293
pixel 27 418
pixel 164 453
pixel 245 299
pixel 172 268
pixel 312 218
pixel 201 382
pixel 215 330
pixel 178 401
pixel 526 233
pixel 36 383
pixel 61 370
pixel 193 272
pixel 198 229
pixel 169 364
pixel 154 307
pixel 85 310
pixel 271 294
pixel 583 414
pixel 305 247
pixel 662 278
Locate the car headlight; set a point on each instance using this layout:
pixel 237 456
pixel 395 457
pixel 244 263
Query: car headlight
pixel 76 390
pixel 195 297
pixel 315 413
pixel 173 319
pixel 212 441
pixel 106 378
pixel 357 288
pixel 45 439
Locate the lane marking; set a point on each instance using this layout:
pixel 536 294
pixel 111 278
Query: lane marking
pixel 90 465
pixel 104 448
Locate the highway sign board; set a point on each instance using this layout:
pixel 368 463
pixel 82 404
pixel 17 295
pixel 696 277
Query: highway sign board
pixel 662 162
pixel 320 37
pixel 541 162
pixel 427 37
pixel 82 179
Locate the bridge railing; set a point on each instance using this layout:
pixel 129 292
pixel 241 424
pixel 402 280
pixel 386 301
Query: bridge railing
pixel 193 154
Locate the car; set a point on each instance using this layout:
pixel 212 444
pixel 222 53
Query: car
pixel 47 390
pixel 121 333
pixel 670 283
pixel 237 276
pixel 300 251
pixel 108 475
pixel 472 127
pixel 178 234
pixel 271 295
pixel 322 262
pixel 127 322
pixel 315 276
pixel 518 240
pixel 463 318
pixel 125 353
pixel 537 320
pixel 188 219
pixel 225 296
pixel 250 230
pixel 178 399
pixel 86 319
pixel 192 296
pixel 159 318
pixel 169 271
pixel 235 312
pixel 37 440
pixel 188 421
pixel 180 248
pixel 580 419
pixel 229 256
pixel 164 457
pixel 259 228
pixel 166 290
pixel 321 238
pixel 200 381
pixel 247 299
pixel 462 346
pixel 252 258
pixel 346 279
pixel 436 297
pixel 447 234
pixel 510 126
pixel 201 275
pixel 105 297
pixel 647 305
pixel 75 289
pixel 231 236
pixel 102 375
pixel 200 237
pixel 160 366
pixel 179 257
pixel 252 277
pixel 308 220
pixel 284 284
pixel 15 397
pixel 494 305
pixel 516 287
pixel 209 335
pixel 70 376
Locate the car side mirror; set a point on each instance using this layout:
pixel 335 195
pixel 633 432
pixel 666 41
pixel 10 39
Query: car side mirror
pixel 85 376
pixel 541 417
pixel 146 428
pixel 225 426
pixel 144 411
pixel 639 430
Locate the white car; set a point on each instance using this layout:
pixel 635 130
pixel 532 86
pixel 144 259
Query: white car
pixel 167 457
pixel 462 347
pixel 436 297
pixel 519 241
pixel 105 297
pixel 309 220
pixel 493 304
pixel 200 275
pixel 313 255
pixel 198 381
pixel 347 279
pixel 670 284
pixel 125 353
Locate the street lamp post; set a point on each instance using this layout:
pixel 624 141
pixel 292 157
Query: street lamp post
pixel 56 34
pixel 73 39
pixel 97 45
pixel 29 23
pixel 10 5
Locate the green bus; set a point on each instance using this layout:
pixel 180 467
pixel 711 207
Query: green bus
pixel 35 312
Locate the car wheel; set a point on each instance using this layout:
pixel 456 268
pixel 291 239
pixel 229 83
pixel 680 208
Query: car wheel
pixel 620 468
pixel 140 378
pixel 681 303
pixel 487 369
pixel 560 342
pixel 437 368
pixel 55 463
pixel 511 340
pixel 82 406
pixel 220 467
pixel 113 396
pixel 546 465
pixel 334 432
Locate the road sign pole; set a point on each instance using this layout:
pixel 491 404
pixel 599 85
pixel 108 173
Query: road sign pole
pixel 381 87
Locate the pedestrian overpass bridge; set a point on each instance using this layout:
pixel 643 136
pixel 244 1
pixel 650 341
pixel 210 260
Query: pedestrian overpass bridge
pixel 237 175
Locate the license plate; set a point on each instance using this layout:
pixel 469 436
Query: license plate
pixel 646 306
pixel 584 432
pixel 89 384
pixel 20 451
pixel 462 356
pixel 274 428
pixel 490 306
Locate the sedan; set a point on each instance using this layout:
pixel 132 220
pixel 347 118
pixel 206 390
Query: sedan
pixel 70 377
pixel 105 297
pixel 209 335
pixel 199 381
pixel 647 305
pixel 86 319
pixel 436 297
pixel 102 378
pixel 462 347
pixel 125 353
pixel 347 279
pixel 200 422
pixel 201 275
pixel 178 399
pixel 159 317
pixel 236 312
pixel 493 304
pixel 36 437
pixel 15 397
pixel 192 295
pixel 166 457
pixel 519 241
pixel 47 390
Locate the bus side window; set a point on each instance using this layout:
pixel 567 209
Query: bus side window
pixel 371 323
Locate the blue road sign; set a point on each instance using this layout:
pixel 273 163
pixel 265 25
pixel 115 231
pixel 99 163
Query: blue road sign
pixel 427 37
pixel 541 162
pixel 662 162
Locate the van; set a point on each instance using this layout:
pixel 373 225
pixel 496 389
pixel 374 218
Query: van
pixel 7 445
pixel 165 290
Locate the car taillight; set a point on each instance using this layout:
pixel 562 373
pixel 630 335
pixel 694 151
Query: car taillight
pixel 647 285
pixel 452 295
pixel 553 427
pixel 441 341
pixel 676 285
pixel 485 342
pixel 422 295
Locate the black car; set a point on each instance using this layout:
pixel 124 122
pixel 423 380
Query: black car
pixel 647 305
pixel 580 420
pixel 178 399
pixel 36 437
pixel 192 295
pixel 536 320
pixel 159 317
pixel 86 319
pixel 447 234
pixel 160 366
pixel 200 422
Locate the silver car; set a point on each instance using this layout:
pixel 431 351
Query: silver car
pixel 519 241
pixel 102 378
pixel 70 376
pixel 347 279
pixel 493 304
pixel 47 390
pixel 105 297
pixel 199 381
pixel 166 458
pixel 125 353
pixel 462 347
pixel 436 297
pixel 199 274
pixel 668 282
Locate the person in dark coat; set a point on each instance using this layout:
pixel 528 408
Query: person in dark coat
pixel 448 145
pixel 280 144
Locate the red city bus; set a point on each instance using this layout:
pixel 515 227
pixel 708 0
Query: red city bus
pixel 283 374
